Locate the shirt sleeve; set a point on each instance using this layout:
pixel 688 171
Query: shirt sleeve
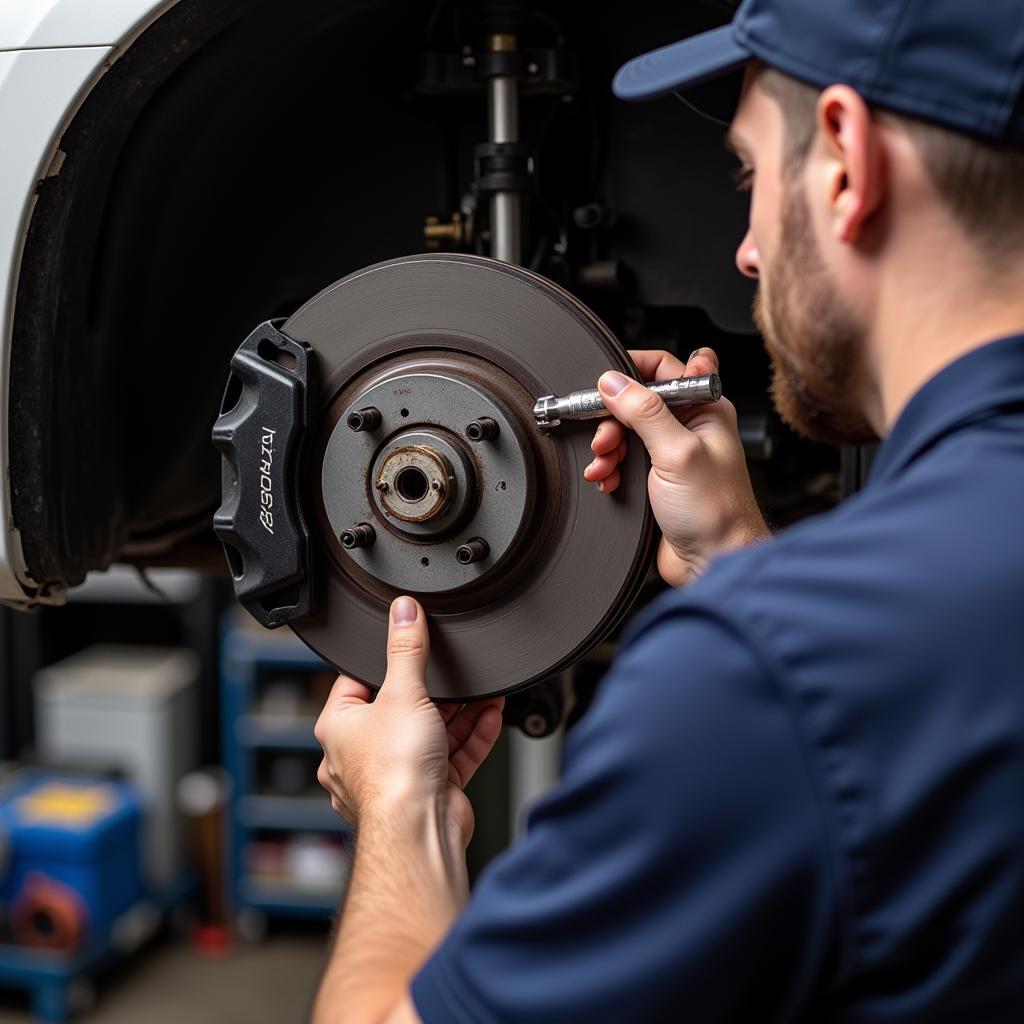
pixel 678 870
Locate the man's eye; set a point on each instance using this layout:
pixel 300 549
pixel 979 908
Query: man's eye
pixel 744 178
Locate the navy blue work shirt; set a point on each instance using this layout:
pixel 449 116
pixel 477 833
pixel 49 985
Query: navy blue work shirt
pixel 799 793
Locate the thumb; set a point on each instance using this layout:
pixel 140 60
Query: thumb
pixel 408 649
pixel 644 411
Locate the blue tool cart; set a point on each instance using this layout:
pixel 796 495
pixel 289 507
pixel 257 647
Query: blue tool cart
pixel 288 850
pixel 71 884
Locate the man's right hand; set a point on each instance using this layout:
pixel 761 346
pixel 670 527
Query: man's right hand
pixel 699 485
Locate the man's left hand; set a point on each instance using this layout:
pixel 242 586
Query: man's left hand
pixel 401 749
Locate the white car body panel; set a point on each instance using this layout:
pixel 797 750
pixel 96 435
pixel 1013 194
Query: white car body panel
pixel 50 24
pixel 52 52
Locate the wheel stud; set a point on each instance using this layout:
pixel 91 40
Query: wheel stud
pixel 482 429
pixel 364 419
pixel 361 536
pixel 475 550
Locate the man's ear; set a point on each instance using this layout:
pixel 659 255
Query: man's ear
pixel 855 160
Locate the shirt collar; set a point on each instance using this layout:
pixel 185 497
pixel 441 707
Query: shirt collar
pixel 975 386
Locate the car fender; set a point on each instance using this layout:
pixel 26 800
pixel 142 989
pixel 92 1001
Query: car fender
pixel 52 53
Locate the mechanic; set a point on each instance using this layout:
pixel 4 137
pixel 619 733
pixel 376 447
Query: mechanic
pixel 799 793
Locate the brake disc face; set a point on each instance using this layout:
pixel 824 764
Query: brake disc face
pixel 425 474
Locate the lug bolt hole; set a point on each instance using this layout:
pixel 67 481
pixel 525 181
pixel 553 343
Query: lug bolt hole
pixel 424 561
pixel 475 550
pixel 364 419
pixel 482 429
pixel 362 535
pixel 404 412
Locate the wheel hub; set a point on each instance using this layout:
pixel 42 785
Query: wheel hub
pixel 420 482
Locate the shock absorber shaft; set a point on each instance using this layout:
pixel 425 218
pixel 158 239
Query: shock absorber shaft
pixel 503 126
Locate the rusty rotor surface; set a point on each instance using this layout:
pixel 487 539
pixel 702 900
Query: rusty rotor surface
pixel 579 557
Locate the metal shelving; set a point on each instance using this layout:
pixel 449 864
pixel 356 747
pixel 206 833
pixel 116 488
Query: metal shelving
pixel 256 730
pixel 249 653
pixel 275 898
pixel 298 813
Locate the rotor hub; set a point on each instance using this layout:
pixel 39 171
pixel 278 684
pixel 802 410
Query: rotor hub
pixel 424 481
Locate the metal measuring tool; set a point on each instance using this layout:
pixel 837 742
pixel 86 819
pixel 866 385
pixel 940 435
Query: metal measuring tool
pixel 589 405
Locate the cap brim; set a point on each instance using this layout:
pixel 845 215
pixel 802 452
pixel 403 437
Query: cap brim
pixel 681 66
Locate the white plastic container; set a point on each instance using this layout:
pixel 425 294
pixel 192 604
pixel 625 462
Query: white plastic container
pixel 132 708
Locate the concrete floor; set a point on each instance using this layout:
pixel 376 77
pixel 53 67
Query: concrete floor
pixel 271 982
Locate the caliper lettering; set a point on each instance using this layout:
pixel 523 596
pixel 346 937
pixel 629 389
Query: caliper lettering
pixel 266 484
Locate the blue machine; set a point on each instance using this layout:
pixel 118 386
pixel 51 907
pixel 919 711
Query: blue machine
pixel 70 866
pixel 74 857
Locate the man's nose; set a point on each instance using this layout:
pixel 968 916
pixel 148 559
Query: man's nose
pixel 747 258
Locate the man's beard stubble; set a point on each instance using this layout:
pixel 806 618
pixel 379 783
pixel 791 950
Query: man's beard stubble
pixel 813 338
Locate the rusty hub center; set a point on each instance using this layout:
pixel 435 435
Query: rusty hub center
pixel 415 483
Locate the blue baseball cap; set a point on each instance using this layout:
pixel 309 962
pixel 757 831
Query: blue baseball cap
pixel 956 63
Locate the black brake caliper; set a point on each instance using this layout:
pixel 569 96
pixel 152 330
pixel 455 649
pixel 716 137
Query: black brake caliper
pixel 260 434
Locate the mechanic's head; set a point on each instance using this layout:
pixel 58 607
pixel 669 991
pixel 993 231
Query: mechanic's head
pixel 860 207
pixel 848 205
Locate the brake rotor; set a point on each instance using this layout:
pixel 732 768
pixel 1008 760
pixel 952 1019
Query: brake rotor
pixel 427 475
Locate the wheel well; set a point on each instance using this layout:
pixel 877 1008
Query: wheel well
pixel 186 210
pixel 241 155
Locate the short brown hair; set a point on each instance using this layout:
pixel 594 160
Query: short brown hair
pixel 982 182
